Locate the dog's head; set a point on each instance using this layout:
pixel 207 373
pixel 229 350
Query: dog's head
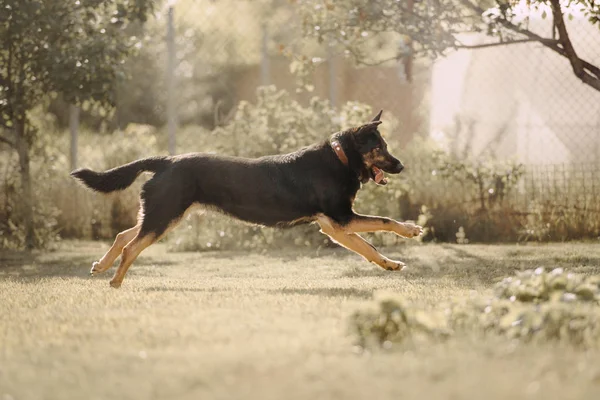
pixel 374 151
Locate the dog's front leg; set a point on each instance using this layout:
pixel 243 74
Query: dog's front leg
pixel 368 223
pixel 357 244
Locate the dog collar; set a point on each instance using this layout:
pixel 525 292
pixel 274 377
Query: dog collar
pixel 339 152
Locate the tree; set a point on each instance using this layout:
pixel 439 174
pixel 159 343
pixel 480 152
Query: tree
pixel 430 27
pixel 73 48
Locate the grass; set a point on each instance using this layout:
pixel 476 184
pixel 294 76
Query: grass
pixel 266 326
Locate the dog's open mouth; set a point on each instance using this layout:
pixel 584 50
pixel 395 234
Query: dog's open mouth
pixel 377 176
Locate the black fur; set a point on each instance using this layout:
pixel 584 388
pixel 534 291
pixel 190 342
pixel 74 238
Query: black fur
pixel 121 177
pixel 275 190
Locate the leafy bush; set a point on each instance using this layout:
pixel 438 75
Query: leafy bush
pixel 534 305
pixel 45 214
pixel 62 207
pixel 453 196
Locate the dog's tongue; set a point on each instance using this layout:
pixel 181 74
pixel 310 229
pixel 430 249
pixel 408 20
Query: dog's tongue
pixel 379 178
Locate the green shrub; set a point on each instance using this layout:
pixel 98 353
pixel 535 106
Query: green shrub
pixel 446 194
pixel 62 207
pixel 533 306
pixel 45 213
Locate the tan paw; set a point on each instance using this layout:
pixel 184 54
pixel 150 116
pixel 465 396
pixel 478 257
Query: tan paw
pixel 95 268
pixel 412 230
pixel 392 265
pixel 115 284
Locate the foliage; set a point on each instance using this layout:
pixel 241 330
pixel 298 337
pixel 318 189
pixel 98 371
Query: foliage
pixel 216 43
pixel 70 48
pixel 45 213
pixel 407 28
pixel 445 193
pixel 48 47
pixel 63 208
pixel 535 305
pixel 439 191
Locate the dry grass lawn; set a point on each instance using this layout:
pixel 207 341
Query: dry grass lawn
pixel 266 326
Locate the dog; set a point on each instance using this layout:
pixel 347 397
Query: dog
pixel 316 184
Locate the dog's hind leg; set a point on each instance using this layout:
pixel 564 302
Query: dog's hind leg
pixel 111 255
pixel 130 252
pixel 152 229
pixel 357 244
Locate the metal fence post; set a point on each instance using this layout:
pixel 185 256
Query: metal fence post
pixel 332 69
pixel 265 61
pixel 171 106
pixel 74 129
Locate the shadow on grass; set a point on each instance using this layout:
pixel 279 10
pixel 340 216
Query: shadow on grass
pixel 25 266
pixel 29 266
pixel 466 265
pixel 326 292
pixel 146 261
pixel 472 266
pixel 184 289
pixel 287 254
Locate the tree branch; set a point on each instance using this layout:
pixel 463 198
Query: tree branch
pixel 590 77
pixel 7 141
pixel 505 43
pixel 570 53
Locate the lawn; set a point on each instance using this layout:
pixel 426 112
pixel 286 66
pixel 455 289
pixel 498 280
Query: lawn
pixel 227 325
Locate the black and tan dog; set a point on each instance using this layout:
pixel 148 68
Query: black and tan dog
pixel 315 184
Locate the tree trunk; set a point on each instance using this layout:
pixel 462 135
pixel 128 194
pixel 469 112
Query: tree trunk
pixel 27 200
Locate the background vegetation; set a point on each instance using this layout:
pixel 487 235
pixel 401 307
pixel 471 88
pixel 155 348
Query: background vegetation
pixel 108 58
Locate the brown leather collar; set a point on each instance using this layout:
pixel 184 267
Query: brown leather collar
pixel 339 152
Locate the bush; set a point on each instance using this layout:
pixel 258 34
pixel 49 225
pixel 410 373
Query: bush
pixel 451 196
pixel 62 207
pixel 45 213
pixel 533 306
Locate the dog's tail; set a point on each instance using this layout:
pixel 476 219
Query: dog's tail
pixel 121 177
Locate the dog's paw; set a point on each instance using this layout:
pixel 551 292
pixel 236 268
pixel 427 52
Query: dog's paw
pixel 95 268
pixel 393 265
pixel 412 230
pixel 115 284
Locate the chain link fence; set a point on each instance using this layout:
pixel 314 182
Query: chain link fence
pixel 520 102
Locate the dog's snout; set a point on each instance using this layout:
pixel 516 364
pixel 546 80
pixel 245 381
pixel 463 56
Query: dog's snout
pixel 398 167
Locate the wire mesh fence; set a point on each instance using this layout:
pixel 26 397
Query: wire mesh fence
pixel 519 102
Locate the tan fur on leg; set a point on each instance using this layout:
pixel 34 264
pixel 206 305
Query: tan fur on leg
pixel 130 252
pixel 368 223
pixel 133 249
pixel 115 250
pixel 355 243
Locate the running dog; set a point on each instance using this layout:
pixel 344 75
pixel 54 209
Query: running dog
pixel 314 184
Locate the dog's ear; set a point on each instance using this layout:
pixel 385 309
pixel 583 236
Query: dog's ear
pixel 369 126
pixel 372 124
pixel 377 117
